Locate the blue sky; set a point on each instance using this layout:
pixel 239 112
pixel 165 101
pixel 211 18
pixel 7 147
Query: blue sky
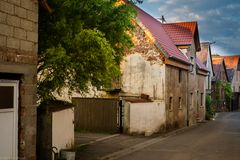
pixel 218 20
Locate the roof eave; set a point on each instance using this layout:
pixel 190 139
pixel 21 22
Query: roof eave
pixel 179 60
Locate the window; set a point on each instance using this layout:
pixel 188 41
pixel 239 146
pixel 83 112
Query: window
pixel 170 103
pixel 179 102
pixel 201 99
pixel 6 97
pixel 191 99
pixel 179 75
pixel 192 59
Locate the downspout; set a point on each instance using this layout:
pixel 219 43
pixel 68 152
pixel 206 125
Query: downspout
pixel 45 5
pixel 187 99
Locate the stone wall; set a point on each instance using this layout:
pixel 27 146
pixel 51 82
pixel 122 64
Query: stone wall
pixel 219 103
pixel 192 87
pixel 176 97
pixel 18 31
pixel 143 72
pixel 18 56
pixel 201 96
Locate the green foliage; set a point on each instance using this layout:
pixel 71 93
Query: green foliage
pixel 81 42
pixel 209 110
pixel 218 86
pixel 228 94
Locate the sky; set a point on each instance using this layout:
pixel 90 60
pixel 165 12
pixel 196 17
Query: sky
pixel 218 20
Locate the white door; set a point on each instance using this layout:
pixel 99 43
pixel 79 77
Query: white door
pixel 8 119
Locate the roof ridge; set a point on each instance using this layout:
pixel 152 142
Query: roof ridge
pixel 155 27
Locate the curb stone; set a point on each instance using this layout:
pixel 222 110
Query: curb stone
pixel 98 140
pixel 129 150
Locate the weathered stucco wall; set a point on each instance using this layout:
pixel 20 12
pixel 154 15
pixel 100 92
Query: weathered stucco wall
pixel 63 128
pixel 140 76
pixel 201 108
pixel 236 81
pixel 144 118
pixel 18 55
pixel 176 97
pixel 208 82
pixel 142 69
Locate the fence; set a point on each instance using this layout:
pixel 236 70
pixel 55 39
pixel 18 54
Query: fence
pixel 96 114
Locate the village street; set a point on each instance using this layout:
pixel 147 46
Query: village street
pixel 214 140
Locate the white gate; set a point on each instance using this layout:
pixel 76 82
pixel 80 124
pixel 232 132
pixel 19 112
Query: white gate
pixel 8 119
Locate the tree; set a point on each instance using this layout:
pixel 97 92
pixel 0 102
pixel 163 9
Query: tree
pixel 81 42
pixel 228 94
pixel 218 88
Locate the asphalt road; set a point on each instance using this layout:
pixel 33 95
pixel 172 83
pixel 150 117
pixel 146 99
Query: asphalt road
pixel 215 140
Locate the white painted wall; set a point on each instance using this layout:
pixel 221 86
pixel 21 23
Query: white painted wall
pixel 63 128
pixel 144 118
pixel 208 82
pixel 141 76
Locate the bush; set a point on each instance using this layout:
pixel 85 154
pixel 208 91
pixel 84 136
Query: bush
pixel 209 110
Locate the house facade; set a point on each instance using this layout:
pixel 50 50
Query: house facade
pixel 220 77
pixel 186 38
pixel 233 71
pixel 205 56
pixel 18 60
pixel 166 73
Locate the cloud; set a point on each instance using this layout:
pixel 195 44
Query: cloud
pixel 214 12
pixel 217 20
pixel 153 1
pixel 233 6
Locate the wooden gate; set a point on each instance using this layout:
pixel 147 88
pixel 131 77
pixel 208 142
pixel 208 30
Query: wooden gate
pixel 96 114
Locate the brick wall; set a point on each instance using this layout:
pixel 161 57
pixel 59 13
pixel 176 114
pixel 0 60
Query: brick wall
pixel 18 55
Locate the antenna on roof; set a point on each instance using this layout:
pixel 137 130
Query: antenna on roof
pixel 162 19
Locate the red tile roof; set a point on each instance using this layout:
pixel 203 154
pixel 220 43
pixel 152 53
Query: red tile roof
pixel 180 35
pixel 231 62
pixel 217 60
pixel 200 65
pixel 183 33
pixel 189 25
pixel 217 63
pixel 160 36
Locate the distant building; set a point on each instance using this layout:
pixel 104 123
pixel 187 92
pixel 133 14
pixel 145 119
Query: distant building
pixel 205 56
pixel 185 36
pixel 218 80
pixel 233 71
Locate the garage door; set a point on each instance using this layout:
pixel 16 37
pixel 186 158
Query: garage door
pixel 8 119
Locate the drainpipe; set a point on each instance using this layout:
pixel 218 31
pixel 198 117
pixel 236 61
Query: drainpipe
pixel 187 99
